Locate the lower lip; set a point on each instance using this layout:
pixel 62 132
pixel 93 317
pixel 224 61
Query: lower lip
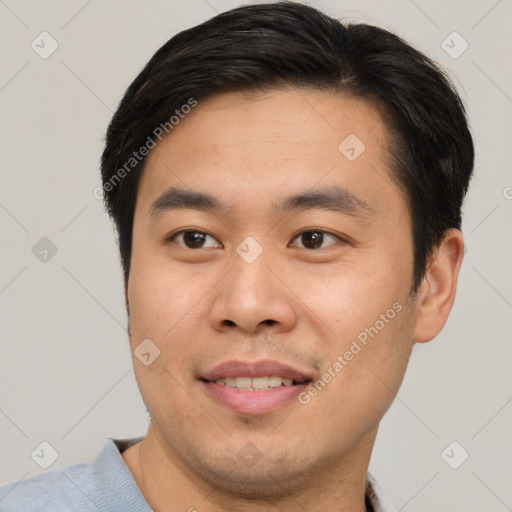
pixel 253 402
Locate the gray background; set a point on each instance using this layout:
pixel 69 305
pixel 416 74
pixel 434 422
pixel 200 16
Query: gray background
pixel 66 375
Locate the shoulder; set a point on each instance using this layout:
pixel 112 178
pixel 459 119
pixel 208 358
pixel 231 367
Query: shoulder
pixel 66 489
pixel 102 485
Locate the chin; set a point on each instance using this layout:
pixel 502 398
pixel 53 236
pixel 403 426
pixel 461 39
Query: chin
pixel 262 481
pixel 270 471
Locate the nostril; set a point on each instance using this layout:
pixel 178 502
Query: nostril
pixel 269 322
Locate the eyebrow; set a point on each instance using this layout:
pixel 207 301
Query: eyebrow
pixel 333 198
pixel 176 198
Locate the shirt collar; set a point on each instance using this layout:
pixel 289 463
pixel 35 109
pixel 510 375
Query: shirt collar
pixel 113 477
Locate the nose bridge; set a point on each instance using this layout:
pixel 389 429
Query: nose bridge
pixel 250 284
pixel 251 294
pixel 251 278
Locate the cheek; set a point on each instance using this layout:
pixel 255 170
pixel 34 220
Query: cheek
pixel 370 330
pixel 363 372
pixel 163 303
pixel 166 307
pixel 349 298
pixel 162 295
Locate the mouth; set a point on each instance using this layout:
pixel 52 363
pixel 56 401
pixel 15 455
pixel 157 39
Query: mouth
pixel 254 388
pixel 258 383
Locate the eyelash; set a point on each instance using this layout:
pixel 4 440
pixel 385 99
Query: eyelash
pixel 171 237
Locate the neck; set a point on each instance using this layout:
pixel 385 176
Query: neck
pixel 168 483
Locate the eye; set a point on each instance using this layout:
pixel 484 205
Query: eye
pixel 192 239
pixel 314 239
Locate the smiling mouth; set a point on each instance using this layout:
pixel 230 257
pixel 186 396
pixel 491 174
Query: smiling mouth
pixel 258 383
pixel 254 387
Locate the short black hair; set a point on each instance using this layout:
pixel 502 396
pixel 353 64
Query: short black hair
pixel 262 47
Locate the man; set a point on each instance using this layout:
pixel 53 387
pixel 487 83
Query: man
pixel 287 193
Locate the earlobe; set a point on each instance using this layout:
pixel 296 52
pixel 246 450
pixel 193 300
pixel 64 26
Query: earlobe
pixel 437 291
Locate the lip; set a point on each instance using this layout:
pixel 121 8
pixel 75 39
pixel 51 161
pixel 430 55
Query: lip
pixel 261 368
pixel 254 402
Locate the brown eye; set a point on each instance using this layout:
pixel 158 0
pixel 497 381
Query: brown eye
pixel 192 239
pixel 315 239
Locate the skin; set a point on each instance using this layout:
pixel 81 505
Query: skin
pixel 202 306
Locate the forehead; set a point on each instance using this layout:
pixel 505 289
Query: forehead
pixel 299 118
pixel 251 146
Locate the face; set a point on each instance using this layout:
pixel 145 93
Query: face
pixel 298 266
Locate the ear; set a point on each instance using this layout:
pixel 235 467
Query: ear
pixel 437 290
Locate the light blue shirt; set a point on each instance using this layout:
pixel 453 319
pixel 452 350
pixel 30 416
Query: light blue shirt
pixel 105 485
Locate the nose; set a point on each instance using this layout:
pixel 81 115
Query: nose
pixel 253 297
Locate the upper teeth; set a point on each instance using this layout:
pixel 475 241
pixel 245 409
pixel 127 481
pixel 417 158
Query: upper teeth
pixel 257 383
